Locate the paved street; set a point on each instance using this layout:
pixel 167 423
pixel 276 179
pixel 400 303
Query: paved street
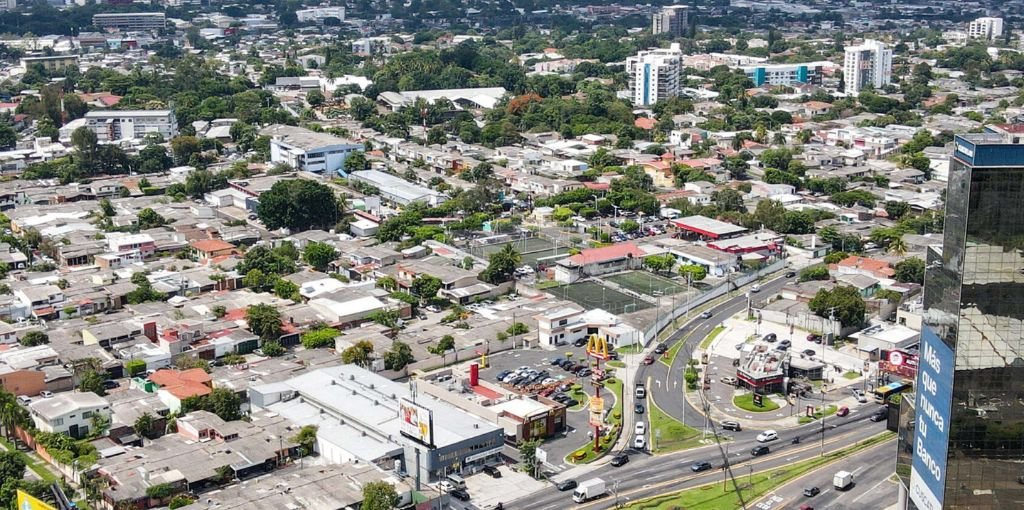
pixel 646 475
pixel 872 488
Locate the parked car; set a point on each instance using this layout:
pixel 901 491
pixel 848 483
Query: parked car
pixel 809 352
pixel 459 494
pixel 787 343
pixel 492 471
pixel 566 485
pixel 620 460
pixel 583 372
pixel 758 451
pixel 46 393
pixel 557 362
pixel 731 425
pixel 770 337
pixel 811 491
pixel 571 402
pixel 110 384
pixel 580 343
pixel 766 436
pixel 502 375
pixel 730 380
pixel 699 466
pixel 705 315
pixel 814 338
pixel 24 400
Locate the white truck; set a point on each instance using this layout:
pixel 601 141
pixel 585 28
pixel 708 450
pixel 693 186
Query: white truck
pixel 842 480
pixel 588 490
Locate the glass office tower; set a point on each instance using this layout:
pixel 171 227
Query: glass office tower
pixel 961 442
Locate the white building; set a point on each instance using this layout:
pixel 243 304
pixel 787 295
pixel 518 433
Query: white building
pixel 130 21
pixel 868 64
pixel 654 75
pixel 318 14
pixel 397 190
pixel 69 413
pixel 566 325
pixel 985 28
pixel 672 19
pixel 7 5
pixel 307 150
pixel 785 74
pixel 113 125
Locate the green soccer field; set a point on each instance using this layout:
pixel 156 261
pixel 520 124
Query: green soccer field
pixel 647 283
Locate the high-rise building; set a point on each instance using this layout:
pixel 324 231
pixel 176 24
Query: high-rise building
pixel 985 28
pixel 114 125
pixel 672 20
pixel 130 21
pixel 654 75
pixel 868 64
pixel 960 437
pixel 784 74
pixel 7 5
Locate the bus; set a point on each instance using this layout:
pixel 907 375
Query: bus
pixel 883 393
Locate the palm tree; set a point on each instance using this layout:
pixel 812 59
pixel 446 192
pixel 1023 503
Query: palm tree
pixel 898 247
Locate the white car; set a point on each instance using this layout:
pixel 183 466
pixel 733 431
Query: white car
pixel 446 486
pixel 640 428
pixel 639 442
pixel 755 288
pixel 768 435
pixel 861 397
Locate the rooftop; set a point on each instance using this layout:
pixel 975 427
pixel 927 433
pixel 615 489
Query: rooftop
pixel 67 402
pixel 303 138
pixel 708 226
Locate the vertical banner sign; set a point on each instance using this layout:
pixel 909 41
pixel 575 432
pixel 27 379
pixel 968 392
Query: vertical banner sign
pixel 931 434
pixel 596 411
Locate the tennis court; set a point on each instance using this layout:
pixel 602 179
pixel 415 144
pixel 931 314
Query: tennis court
pixel 594 295
pixel 647 283
pixel 531 249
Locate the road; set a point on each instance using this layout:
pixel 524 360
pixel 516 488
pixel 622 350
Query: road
pixel 871 470
pixel 647 475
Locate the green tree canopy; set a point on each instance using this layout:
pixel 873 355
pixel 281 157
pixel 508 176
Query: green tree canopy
pixel 264 321
pixel 298 205
pixel 910 270
pixel 844 301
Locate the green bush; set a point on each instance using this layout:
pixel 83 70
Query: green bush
pixel 135 367
pixel 319 338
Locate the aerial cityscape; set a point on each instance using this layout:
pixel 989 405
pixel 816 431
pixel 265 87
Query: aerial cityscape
pixel 489 255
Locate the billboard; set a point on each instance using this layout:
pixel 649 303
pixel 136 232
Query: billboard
pixel 596 411
pixel 417 421
pixel 899 363
pixel 27 502
pixel 931 432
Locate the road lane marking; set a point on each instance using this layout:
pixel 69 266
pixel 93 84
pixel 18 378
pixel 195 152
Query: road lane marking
pixel 871 490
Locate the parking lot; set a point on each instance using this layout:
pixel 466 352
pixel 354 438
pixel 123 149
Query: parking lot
pixel 575 435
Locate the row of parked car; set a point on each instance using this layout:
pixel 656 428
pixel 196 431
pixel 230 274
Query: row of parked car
pixel 524 376
pixel 580 369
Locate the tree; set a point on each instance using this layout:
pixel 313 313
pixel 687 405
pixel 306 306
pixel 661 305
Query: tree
pixel 528 456
pixel 896 209
pixel 629 226
pixel 8 137
pixel 695 272
pixel 264 321
pixel 184 147
pixel 317 338
pixel 910 270
pixel 517 329
pixel 135 367
pixel 776 158
pixel 306 438
pixel 386 317
pixel 398 356
pixel 272 348
pixel 12 465
pixel 144 425
pixel 843 302
pixel 426 286
pixel 286 289
pixel 315 98
pixel 736 167
pixel 34 338
pixel 225 403
pixel 149 218
pixel 359 354
pixel 502 265
pixel 355 161
pixel 660 263
pixel 92 381
pixel 436 136
pixel 298 205
pixel 379 496
pixel 814 273
pixel 443 345
pixel 729 200
pixel 319 255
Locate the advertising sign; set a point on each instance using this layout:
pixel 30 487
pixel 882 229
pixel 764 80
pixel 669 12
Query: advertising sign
pixel 931 433
pixel 899 363
pixel 596 411
pixel 417 421
pixel 27 502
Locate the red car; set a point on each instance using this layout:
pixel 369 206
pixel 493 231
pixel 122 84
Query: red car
pixel 648 360
pixel 843 411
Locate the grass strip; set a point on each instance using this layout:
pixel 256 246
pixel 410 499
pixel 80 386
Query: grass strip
pixel 711 337
pixel 675 435
pixel 586 453
pixel 746 402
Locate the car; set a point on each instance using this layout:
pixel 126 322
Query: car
pixel 806 507
pixel 640 428
pixel 613 355
pixel 755 288
pixel 492 471
pixel 843 411
pixel 814 338
pixel 502 375
pixel 566 485
pixel 459 494
pixel 110 384
pixel 699 466
pixel 781 347
pixel 580 343
pixel 557 362
pixel 583 372
pixel 770 337
pixel 729 380
pixel 731 425
pixel 661 349
pixel 638 409
pixel 809 352
pixel 705 315
pixel 648 360
pixel 548 380
pixel 620 460
pixel 787 343
pixel 790 274
pixel 24 400
pixel 46 394
pixel 766 436
pixel 446 485
pixel 758 451
pixel 860 396
pixel 880 416
pixel 811 491
pixel 639 442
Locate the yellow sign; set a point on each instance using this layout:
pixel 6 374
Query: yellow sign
pixel 597 346
pixel 596 404
pixel 27 502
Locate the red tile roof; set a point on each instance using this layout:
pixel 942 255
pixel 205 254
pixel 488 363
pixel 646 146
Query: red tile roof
pixel 597 186
pixel 183 384
pixel 878 267
pixel 606 253
pixel 644 123
pixel 212 245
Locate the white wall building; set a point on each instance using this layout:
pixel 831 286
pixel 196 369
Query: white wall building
pixel 566 325
pixel 307 150
pixel 672 19
pixel 319 14
pixel 654 75
pixel 985 28
pixel 7 5
pixel 69 413
pixel 113 125
pixel 868 64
